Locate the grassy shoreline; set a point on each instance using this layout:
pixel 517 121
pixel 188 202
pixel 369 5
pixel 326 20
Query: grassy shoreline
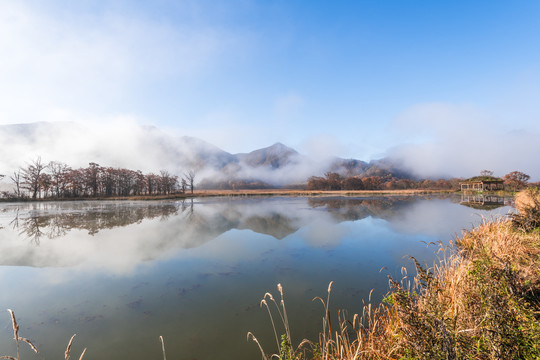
pixel 263 192
pixel 481 300
pixel 242 193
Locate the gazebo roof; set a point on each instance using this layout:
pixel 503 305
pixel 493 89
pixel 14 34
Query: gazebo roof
pixel 484 179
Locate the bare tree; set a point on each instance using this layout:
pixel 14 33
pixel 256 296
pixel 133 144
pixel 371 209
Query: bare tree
pixel 31 177
pixel 190 179
pixel 486 173
pixel 45 183
pixel 184 185
pixel 16 178
pixel 92 173
pixel 152 183
pixel 168 182
pixel 59 172
pixel 57 179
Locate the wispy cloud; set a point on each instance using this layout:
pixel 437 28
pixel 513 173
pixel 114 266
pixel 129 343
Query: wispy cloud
pixel 441 139
pixel 56 62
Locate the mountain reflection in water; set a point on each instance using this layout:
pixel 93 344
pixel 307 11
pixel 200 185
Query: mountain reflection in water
pixel 92 232
pixel 119 274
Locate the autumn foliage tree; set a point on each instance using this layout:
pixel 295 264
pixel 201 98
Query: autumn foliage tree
pixel 516 180
pixel 335 181
pixel 353 183
pixel 58 180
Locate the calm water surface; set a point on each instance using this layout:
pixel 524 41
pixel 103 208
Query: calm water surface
pixel 120 274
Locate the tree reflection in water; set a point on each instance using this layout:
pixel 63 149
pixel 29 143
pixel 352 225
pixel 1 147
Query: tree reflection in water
pixel 51 220
pixel 95 234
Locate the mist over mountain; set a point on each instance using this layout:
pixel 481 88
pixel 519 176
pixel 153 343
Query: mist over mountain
pixel 150 149
pixel 275 156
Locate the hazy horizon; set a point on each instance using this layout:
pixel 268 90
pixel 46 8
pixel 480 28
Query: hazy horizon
pixel 445 88
pixel 150 149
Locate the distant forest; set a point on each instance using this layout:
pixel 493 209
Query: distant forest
pixel 333 181
pixel 40 180
pixel 56 180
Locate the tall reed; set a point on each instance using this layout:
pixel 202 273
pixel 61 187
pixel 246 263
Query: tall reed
pixel 19 338
pixel 481 300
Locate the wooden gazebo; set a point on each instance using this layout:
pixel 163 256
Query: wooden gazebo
pixel 483 183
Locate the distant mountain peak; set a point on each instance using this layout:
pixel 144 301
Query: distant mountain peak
pixel 279 148
pixel 279 145
pixel 274 156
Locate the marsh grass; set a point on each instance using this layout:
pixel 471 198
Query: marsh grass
pixel 162 347
pixel 67 353
pixel 316 193
pixel 18 339
pixel 528 206
pixel 481 300
pixel 286 348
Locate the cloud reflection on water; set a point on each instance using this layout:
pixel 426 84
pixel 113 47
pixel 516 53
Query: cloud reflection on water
pixel 118 237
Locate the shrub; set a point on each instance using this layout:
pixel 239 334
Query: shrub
pixel 528 206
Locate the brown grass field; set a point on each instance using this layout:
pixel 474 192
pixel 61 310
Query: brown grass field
pixel 256 192
pixel 294 192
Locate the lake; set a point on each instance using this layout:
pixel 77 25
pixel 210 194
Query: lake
pixel 121 273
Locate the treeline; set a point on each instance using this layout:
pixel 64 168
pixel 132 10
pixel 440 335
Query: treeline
pixel 513 181
pixel 55 179
pixel 335 181
pixel 234 184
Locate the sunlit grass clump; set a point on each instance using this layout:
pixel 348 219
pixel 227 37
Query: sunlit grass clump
pixel 480 301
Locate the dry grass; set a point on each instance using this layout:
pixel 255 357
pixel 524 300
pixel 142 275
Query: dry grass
pixel 67 352
pixel 18 339
pixel 528 206
pixel 481 301
pixel 162 347
pixel 293 192
pixel 247 192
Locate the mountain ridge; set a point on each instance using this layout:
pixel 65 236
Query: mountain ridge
pixel 149 148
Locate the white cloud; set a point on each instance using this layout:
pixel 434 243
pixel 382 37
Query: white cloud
pixel 84 62
pixel 446 139
pixel 322 146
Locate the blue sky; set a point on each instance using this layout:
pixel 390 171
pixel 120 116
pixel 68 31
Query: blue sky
pixel 361 79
